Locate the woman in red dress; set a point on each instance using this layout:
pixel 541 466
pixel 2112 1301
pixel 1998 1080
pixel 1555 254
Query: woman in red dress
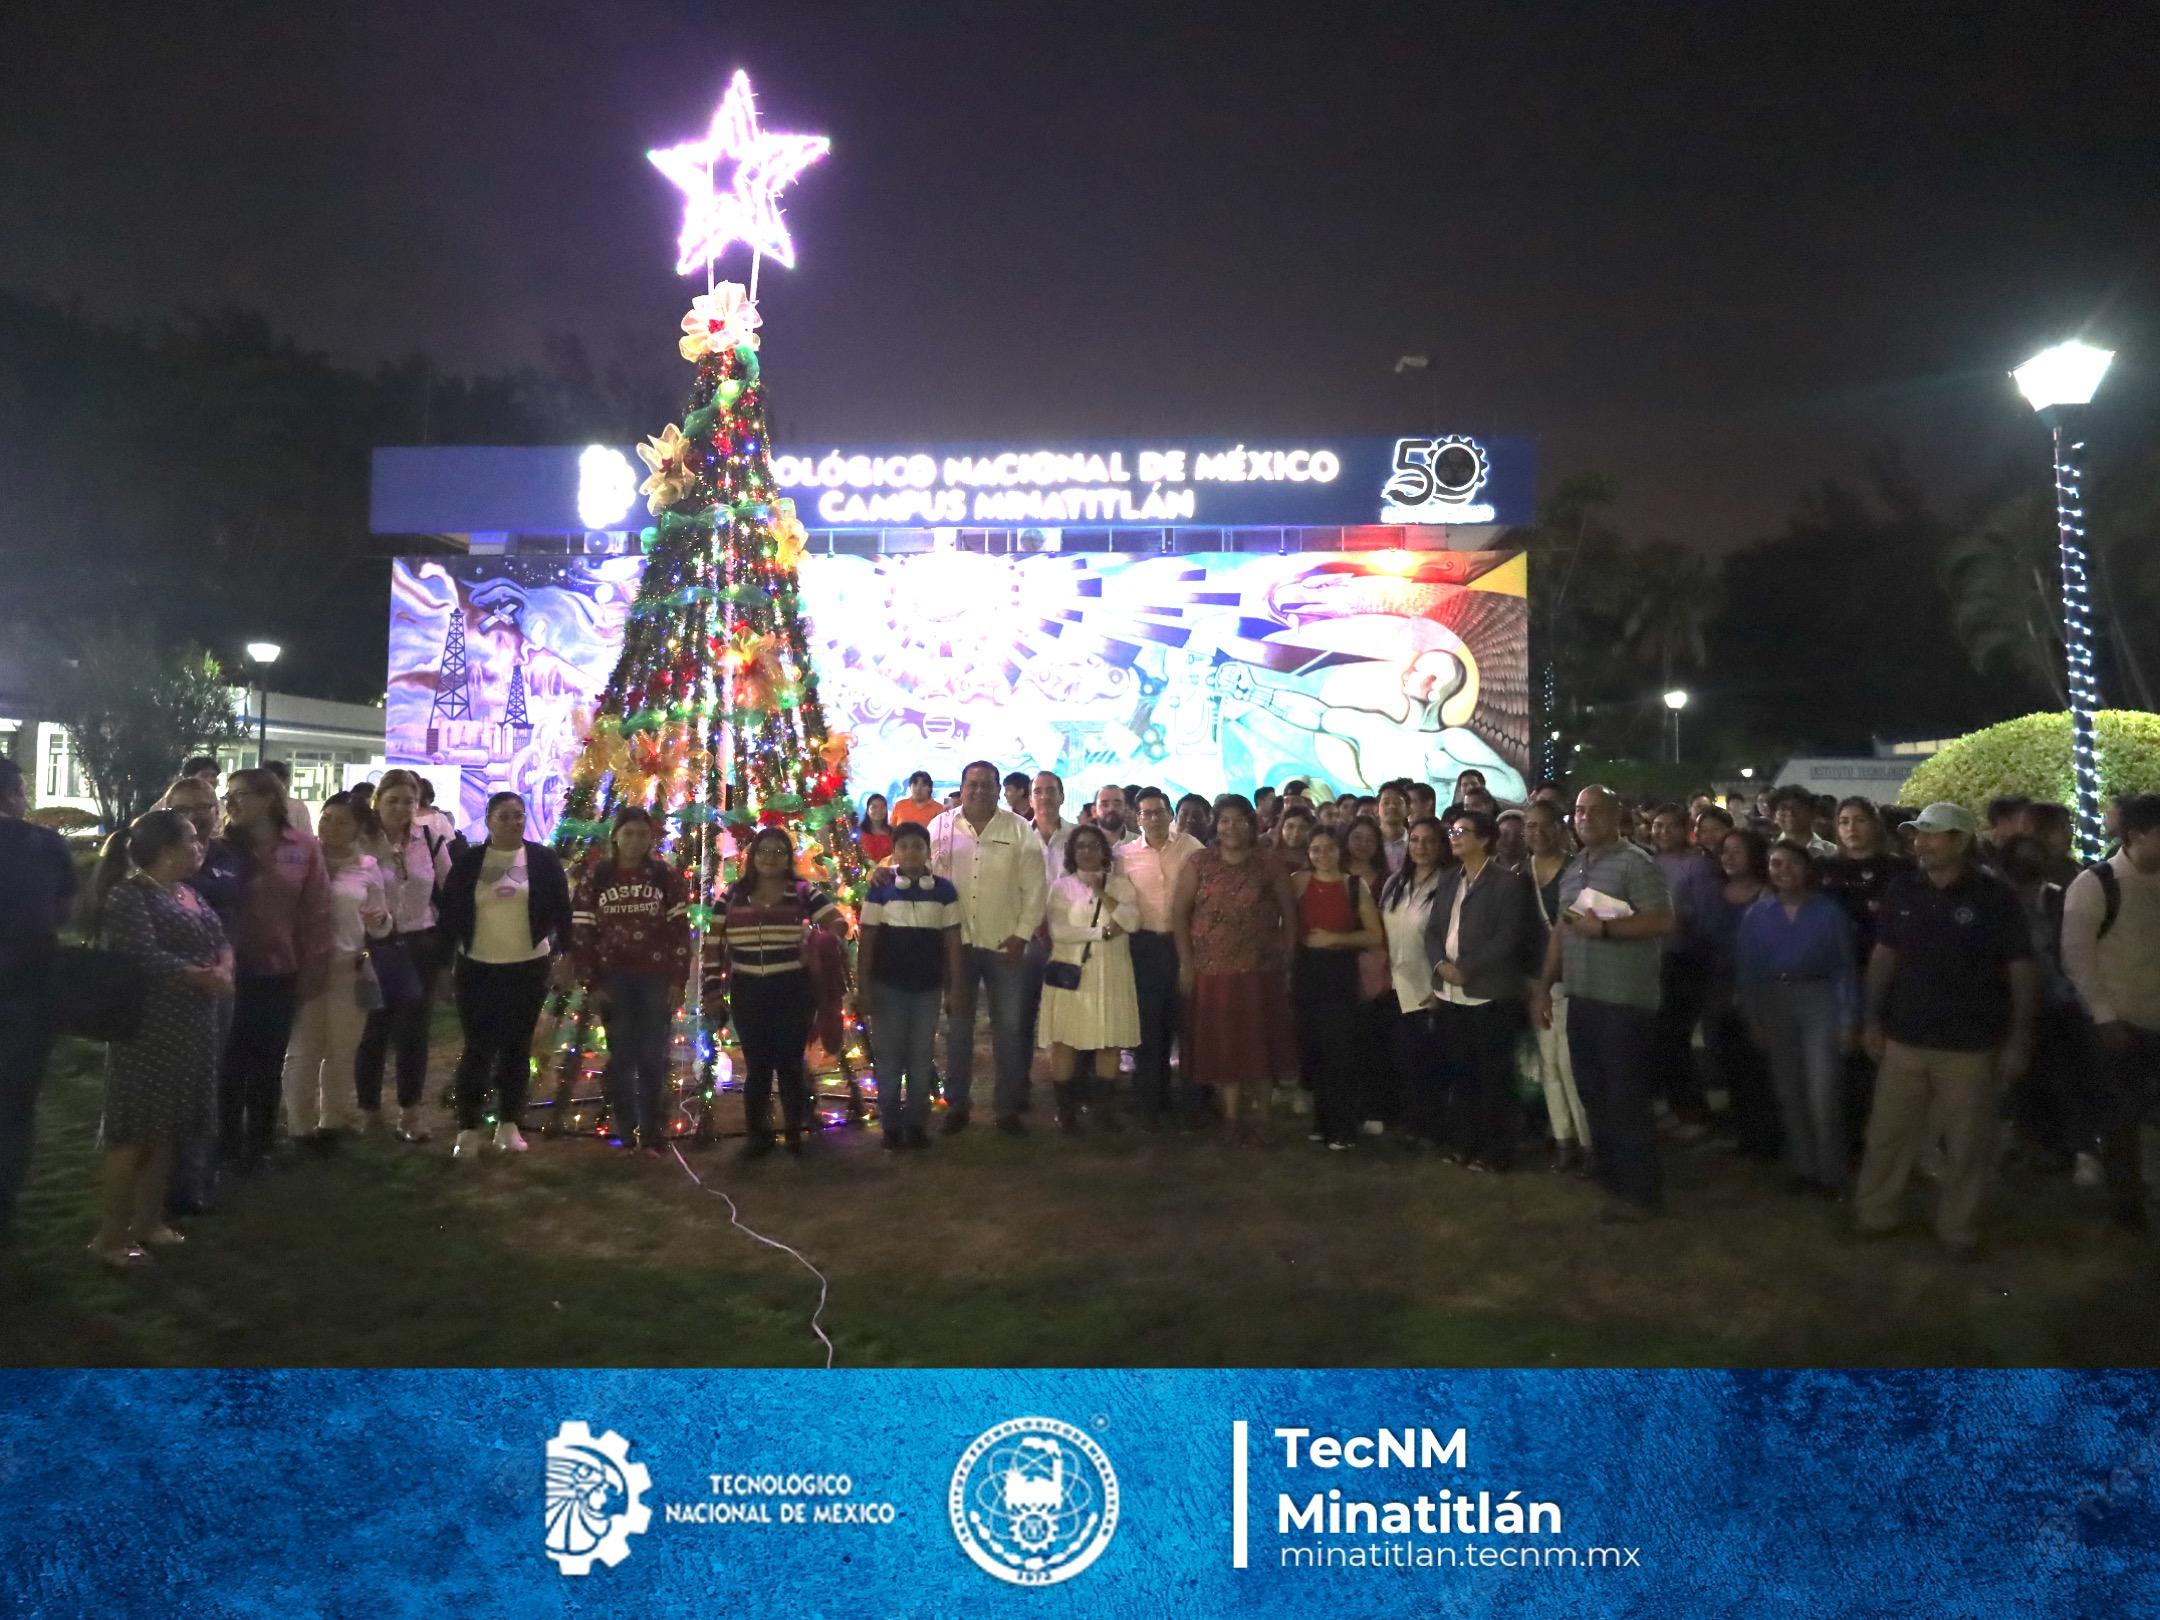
pixel 1235 914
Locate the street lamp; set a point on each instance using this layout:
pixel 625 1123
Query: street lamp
pixel 262 654
pixel 1676 700
pixel 2059 383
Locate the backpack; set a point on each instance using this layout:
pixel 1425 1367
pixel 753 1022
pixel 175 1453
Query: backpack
pixel 2110 894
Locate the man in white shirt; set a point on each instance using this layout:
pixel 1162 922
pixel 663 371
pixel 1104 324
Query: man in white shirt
pixel 995 861
pixel 1395 823
pixel 1112 814
pixel 1153 861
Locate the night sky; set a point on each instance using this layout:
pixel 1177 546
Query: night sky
pixel 1719 250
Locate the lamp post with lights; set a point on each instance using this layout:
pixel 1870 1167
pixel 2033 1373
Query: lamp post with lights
pixel 261 655
pixel 1676 700
pixel 2059 383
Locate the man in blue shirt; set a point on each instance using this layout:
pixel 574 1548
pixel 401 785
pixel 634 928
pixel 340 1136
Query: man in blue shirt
pixel 1697 888
pixel 1952 993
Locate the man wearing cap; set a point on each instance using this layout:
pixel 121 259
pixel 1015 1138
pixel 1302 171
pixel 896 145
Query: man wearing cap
pixel 1952 990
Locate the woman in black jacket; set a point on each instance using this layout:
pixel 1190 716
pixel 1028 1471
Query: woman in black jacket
pixel 1485 940
pixel 506 905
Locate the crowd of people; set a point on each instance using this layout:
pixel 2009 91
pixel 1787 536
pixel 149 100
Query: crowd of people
pixel 1856 993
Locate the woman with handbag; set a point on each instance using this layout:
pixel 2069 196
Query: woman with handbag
pixel 506 906
pixel 1485 941
pixel 319 1098
pixel 160 1082
pixel 281 941
pixel 1337 919
pixel 219 883
pixel 1405 905
pixel 414 858
pixel 1090 1006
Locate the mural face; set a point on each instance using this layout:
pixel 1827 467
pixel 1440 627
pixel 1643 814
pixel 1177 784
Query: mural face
pixel 1198 674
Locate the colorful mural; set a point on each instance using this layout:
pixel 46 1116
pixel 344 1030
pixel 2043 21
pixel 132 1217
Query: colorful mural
pixel 1198 673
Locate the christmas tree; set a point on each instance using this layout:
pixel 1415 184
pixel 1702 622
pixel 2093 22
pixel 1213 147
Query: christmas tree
pixel 711 718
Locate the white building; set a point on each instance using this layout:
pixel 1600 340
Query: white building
pixel 328 745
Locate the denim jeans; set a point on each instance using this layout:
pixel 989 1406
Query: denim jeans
pixel 637 1035
pixel 498 1007
pixel 1683 985
pixel 1477 1048
pixel 1007 982
pixel 1155 975
pixel 903 1029
pixel 1610 1048
pixel 26 1041
pixel 2129 1085
pixel 772 1013
pixel 252 1081
pixel 1801 1029
pixel 401 1032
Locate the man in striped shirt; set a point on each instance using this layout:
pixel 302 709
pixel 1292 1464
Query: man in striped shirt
pixel 909 962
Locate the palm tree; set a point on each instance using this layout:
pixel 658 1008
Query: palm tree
pixel 1672 595
pixel 1570 526
pixel 1999 576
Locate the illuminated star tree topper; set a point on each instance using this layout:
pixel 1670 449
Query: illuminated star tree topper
pixel 745 209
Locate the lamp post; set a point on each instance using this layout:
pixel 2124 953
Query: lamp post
pixel 2059 383
pixel 1676 700
pixel 262 654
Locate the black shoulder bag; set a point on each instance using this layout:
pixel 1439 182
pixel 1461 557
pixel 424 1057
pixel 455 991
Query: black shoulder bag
pixel 1066 975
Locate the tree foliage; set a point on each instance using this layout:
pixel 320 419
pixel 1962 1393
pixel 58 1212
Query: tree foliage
pixel 133 711
pixel 2031 755
pixel 240 506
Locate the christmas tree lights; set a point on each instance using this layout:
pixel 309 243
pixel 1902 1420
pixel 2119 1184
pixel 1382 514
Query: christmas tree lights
pixel 711 720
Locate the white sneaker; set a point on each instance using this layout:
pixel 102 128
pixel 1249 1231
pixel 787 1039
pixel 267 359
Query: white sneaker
pixel 369 1121
pixel 509 1138
pixel 410 1126
pixel 469 1144
pixel 1374 1127
pixel 2088 1174
pixel 1300 1101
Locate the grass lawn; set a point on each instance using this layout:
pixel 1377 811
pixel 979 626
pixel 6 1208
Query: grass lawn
pixel 1106 1251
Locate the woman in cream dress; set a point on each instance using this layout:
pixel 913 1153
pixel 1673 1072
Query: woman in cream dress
pixel 1091 910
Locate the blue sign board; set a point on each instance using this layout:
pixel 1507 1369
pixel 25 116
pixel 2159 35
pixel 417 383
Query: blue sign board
pixel 1078 1494
pixel 1426 479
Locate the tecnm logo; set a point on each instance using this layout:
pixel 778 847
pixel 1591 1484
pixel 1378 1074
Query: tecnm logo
pixel 595 1499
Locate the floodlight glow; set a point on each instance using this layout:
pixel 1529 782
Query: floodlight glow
pixel 1676 701
pixel 2068 374
pixel 1747 773
pixel 745 210
pixel 606 487
pixel 263 652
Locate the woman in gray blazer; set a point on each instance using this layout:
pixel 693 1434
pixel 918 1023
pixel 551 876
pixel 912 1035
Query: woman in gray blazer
pixel 1485 939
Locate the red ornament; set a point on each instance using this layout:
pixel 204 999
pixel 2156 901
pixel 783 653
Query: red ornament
pixel 771 818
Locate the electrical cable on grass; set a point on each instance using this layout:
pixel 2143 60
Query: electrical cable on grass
pixel 735 1219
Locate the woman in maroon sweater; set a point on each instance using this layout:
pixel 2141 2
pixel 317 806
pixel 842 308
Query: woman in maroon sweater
pixel 630 935
pixel 281 942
